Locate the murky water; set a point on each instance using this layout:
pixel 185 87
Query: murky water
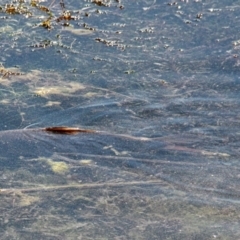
pixel 158 82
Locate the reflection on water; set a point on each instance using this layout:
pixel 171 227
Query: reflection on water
pixel 161 92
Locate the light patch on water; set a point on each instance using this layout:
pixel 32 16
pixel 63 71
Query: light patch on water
pixel 65 89
pixel 86 162
pixel 58 167
pixel 218 154
pixel 90 94
pixel 26 200
pixel 115 151
pixel 78 32
pixel 52 103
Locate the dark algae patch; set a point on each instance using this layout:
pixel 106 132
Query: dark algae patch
pixel 119 119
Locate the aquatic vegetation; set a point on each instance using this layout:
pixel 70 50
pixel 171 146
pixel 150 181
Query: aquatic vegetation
pixel 7 72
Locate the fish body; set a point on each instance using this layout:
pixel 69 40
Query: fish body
pixel 35 142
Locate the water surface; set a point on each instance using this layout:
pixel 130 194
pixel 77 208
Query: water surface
pixel 159 82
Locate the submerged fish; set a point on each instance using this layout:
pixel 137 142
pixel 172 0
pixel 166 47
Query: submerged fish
pixel 31 143
pixel 60 139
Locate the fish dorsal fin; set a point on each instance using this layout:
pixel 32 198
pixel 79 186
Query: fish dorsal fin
pixel 67 130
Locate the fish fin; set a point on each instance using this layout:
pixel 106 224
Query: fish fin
pixel 67 130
